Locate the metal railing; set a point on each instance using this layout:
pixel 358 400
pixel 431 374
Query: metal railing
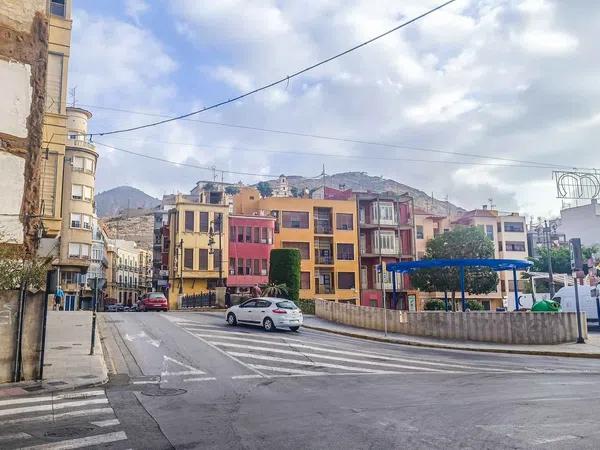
pixel 201 300
pixel 324 289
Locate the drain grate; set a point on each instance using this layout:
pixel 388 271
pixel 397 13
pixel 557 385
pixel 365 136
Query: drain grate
pixel 34 388
pixel 67 432
pixel 167 392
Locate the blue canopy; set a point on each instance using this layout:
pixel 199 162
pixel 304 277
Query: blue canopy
pixel 495 264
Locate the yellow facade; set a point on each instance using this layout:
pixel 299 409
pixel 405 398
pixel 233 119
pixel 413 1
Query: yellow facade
pixel 193 263
pixel 321 236
pixel 55 119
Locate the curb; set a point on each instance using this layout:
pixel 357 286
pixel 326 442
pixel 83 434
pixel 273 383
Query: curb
pixel 562 354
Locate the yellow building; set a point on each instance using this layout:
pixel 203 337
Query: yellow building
pixel 325 233
pixel 196 224
pixel 55 116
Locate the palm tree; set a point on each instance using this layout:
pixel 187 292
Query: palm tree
pixel 275 290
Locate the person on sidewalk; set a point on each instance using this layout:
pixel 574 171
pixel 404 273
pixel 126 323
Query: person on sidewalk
pixel 58 296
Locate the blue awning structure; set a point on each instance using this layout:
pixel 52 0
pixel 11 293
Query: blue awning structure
pixel 495 264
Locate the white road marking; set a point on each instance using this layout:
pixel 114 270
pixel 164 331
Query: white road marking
pixel 303 363
pixel 262 336
pixel 286 370
pixel 191 369
pixel 106 423
pixel 332 358
pixel 358 353
pixel 243 377
pixel 129 338
pixel 14 436
pixel 53 417
pixel 565 437
pixel 49 398
pixel 146 381
pixel 81 442
pixel 200 379
pixel 155 343
pixel 56 406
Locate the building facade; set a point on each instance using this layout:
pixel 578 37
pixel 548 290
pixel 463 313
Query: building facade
pixel 386 234
pixel 23 71
pixel 250 245
pixel 160 245
pixel 581 222
pixel 198 250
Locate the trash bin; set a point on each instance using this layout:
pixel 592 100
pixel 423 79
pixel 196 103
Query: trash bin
pixel 546 306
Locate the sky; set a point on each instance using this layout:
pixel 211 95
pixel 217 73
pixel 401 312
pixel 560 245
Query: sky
pixel 514 79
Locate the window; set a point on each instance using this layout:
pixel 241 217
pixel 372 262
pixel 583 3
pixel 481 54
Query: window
pixel 256 267
pixel 88 193
pixel 54 82
pixel 489 231
pixel 87 222
pixel 240 234
pixel 240 266
pixel 77 192
pixel 264 267
pixel 265 236
pixel 57 8
pixel 346 280
pixel 248 234
pixel 216 259
pixel 516 227
pixel 75 220
pixel 294 219
pixel 77 250
pixel 420 232
pixel 515 246
pixel 500 245
pixel 345 252
pixel 304 248
pixel 189 220
pixel 344 221
pixel 203 259
pixel 248 267
pixel 232 233
pixel 387 212
pixel 304 280
pixel 89 165
pixel 188 258
pixel 249 304
pixel 203 222
pixel 388 241
pixel 231 266
pixel 256 235
pixel 218 222
pixel 78 163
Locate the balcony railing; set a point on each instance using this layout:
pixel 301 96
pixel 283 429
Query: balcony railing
pixel 323 228
pixel 319 259
pixel 81 144
pixel 324 289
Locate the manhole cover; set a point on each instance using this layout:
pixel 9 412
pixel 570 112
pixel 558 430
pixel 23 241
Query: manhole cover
pixel 68 432
pixel 167 392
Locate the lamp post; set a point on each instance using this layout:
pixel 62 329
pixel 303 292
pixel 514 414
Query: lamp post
pixel 546 230
pixel 217 224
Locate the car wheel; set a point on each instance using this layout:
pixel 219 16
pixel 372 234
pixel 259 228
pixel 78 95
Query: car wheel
pixel 268 324
pixel 294 328
pixel 231 320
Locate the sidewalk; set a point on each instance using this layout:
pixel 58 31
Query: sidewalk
pixel 591 349
pixel 68 364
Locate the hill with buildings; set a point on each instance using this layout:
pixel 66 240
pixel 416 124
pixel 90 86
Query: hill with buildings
pixel 139 228
pixel 114 201
pixel 361 181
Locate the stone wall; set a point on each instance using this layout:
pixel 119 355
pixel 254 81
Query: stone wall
pixel 484 326
pixel 32 334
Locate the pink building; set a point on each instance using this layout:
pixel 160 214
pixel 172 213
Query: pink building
pixel 250 244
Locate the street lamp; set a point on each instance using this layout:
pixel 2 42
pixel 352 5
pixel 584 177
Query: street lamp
pixel 217 224
pixel 546 231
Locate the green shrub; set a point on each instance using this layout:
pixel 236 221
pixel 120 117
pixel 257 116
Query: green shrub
pixel 307 306
pixel 474 305
pixel 435 305
pixel 285 269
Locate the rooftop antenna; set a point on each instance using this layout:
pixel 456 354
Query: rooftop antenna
pixel 491 200
pixel 73 94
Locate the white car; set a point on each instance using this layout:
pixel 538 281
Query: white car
pixel 266 312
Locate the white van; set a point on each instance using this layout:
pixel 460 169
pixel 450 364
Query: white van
pixel 587 304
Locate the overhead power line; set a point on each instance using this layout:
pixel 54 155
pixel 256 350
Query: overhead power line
pixel 281 80
pixel 341 139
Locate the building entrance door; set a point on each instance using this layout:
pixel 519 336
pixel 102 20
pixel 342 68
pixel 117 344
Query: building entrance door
pixel 70 302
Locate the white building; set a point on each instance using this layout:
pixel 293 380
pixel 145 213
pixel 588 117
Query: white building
pixel 282 189
pixel 581 222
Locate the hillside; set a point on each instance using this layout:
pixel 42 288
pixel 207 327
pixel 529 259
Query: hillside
pixel 114 201
pixel 139 229
pixel 361 181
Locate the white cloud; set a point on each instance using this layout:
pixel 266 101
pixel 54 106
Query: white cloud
pixel 135 9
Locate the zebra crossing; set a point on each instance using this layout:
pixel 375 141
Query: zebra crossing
pixel 67 420
pixel 292 355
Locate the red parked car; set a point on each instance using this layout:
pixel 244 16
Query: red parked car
pixel 153 301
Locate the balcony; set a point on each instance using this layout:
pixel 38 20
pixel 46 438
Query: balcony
pixel 323 259
pixel 323 221
pixel 324 289
pixel 78 143
pixel 323 227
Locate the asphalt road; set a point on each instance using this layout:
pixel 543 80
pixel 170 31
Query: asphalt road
pixel 188 380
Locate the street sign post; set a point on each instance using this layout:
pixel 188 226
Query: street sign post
pixel 96 285
pixel 577 267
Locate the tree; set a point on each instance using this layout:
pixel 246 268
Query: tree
pixel 294 191
pixel 265 189
pixel 561 260
pixel 209 187
pixel 232 190
pixel 461 243
pixel 285 269
pixel 17 268
pixel 274 290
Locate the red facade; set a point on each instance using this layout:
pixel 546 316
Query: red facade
pixel 250 244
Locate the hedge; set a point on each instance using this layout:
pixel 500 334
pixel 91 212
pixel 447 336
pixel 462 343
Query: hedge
pixel 307 306
pixel 285 269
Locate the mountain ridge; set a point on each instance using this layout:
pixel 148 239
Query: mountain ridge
pixel 112 201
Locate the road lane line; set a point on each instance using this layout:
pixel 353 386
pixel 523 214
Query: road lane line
pixel 200 379
pixel 81 442
pixel 49 398
pixel 239 333
pixel 566 437
pixel 286 370
pixel 14 437
pixel 53 417
pixel 38 408
pixel 303 363
pixel 146 382
pixel 106 423
pixel 332 358
pixel 244 377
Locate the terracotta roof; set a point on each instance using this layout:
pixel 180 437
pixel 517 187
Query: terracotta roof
pixel 476 213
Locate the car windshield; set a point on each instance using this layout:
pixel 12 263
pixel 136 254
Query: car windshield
pixel 286 305
pixel 156 295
